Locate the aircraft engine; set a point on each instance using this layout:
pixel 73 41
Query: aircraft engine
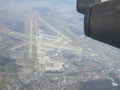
pixel 102 20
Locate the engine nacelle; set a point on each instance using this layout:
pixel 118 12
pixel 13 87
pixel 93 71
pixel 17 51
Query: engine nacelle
pixel 102 21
